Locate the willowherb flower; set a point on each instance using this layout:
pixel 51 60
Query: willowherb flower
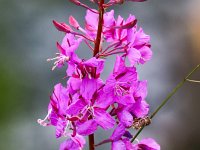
pixel 87 102
pixel 74 143
pixel 121 83
pixel 147 144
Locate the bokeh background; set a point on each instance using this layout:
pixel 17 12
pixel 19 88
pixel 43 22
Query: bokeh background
pixel 27 39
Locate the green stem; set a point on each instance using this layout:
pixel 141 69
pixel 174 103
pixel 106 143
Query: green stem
pixel 168 97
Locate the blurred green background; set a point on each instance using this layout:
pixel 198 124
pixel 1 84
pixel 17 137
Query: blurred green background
pixel 27 39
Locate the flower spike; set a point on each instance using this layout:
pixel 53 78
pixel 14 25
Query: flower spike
pixel 87 102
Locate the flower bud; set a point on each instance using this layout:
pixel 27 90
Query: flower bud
pixel 73 22
pixel 75 2
pixel 62 27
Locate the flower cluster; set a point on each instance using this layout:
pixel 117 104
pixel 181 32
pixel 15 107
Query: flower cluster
pixel 87 102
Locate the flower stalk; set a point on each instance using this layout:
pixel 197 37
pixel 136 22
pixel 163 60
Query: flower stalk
pixel 96 51
pixel 179 85
pixel 100 27
pixel 91 141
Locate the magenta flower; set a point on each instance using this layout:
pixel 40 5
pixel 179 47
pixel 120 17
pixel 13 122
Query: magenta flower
pixel 91 26
pixel 147 144
pixel 140 108
pixel 139 48
pixel 90 68
pixel 122 142
pixel 99 118
pixel 119 139
pixel 87 102
pixel 94 115
pixel 125 117
pixel 66 50
pixel 92 19
pixel 87 75
pixel 57 110
pixel 74 143
pixel 121 83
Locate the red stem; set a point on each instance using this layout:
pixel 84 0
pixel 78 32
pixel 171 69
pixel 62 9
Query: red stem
pixel 96 51
pixel 91 141
pixel 100 27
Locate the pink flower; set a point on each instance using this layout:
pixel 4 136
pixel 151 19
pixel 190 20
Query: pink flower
pixel 95 115
pixel 92 19
pixel 121 83
pixel 139 48
pixel 74 143
pixel 140 108
pixel 57 110
pixel 91 23
pixel 87 102
pixel 119 139
pixel 147 144
pixel 87 74
pixel 66 50
pixel 121 142
pixel 90 68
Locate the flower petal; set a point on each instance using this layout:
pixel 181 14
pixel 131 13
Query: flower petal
pixel 125 99
pixel 103 100
pixel 88 87
pixel 103 118
pixel 87 128
pixel 140 108
pixel 75 143
pixel 76 107
pixel 146 54
pixel 133 56
pixel 59 99
pixel 118 145
pixel 97 63
pixel 60 127
pixel 74 84
pixel 141 90
pixel 125 118
pixel 118 132
pixel 147 144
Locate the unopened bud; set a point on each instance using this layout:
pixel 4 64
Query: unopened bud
pixel 62 27
pixel 76 2
pixel 73 22
pixel 127 26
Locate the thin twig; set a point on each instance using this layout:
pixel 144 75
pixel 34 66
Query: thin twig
pixel 195 81
pixel 168 97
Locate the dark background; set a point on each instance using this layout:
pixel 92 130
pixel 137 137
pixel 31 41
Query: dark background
pixel 27 39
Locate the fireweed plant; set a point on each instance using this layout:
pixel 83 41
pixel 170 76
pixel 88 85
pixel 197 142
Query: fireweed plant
pixel 87 102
